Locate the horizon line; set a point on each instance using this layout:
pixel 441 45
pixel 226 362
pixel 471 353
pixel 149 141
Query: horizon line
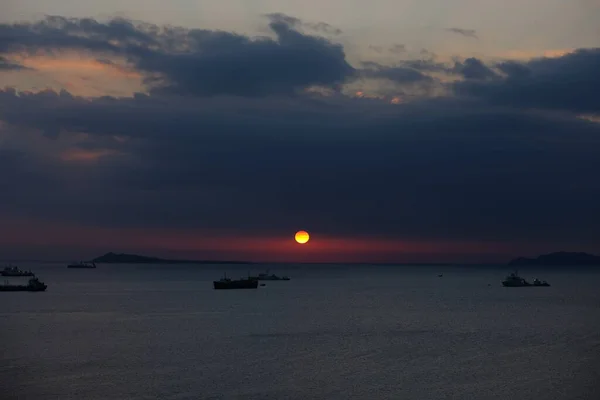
pixel 241 262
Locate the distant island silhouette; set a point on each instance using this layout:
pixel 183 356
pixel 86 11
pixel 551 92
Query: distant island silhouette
pixel 122 258
pixel 561 258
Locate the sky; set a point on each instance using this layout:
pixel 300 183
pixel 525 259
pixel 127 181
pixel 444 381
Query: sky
pixel 392 131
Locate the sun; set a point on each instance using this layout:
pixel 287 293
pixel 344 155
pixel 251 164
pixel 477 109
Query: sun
pixel 302 237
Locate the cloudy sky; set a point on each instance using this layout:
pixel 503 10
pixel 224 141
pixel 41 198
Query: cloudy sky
pixel 391 130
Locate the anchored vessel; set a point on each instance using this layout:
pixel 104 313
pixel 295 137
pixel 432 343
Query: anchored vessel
pixel 15 271
pixel 226 283
pixel 34 285
pixel 82 264
pixel 267 277
pixel 514 280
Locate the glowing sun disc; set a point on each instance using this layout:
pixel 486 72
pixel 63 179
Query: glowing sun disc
pixel 302 237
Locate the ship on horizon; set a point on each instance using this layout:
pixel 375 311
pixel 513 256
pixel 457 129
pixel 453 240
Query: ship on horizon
pixel 15 271
pixel 227 283
pixel 82 264
pixel 514 280
pixel 272 277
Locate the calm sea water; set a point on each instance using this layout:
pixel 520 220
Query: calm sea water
pixel 334 332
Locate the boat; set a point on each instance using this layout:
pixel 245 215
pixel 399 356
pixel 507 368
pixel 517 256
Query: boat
pixel 15 271
pixel 226 283
pixel 537 282
pixel 266 277
pixel 82 264
pixel 34 285
pixel 514 280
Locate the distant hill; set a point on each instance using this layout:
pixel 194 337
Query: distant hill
pixel 113 258
pixel 561 258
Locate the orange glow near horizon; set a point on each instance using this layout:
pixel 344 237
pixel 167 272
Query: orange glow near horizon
pixel 45 238
pixel 302 237
pixel 78 63
pixel 80 73
pixel 85 156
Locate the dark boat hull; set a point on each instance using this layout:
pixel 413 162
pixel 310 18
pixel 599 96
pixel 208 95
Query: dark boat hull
pixel 243 284
pixel 17 274
pixel 272 279
pixel 80 267
pixel 505 284
pixel 22 288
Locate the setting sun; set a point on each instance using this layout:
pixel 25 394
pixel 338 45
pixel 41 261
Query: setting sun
pixel 302 237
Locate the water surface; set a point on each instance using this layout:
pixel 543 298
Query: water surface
pixel 332 332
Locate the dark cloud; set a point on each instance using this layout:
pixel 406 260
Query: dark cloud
pixel 240 66
pixel 196 62
pixel 56 33
pixel 473 68
pixel 429 169
pixel 464 32
pixel 570 82
pixel 493 162
pixel 416 70
pixel 6 65
pixel 319 27
pixel 514 69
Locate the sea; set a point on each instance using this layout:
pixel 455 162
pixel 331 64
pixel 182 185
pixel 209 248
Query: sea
pixel 331 332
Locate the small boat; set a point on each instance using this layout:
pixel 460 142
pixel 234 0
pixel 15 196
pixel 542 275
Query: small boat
pixel 34 285
pixel 15 271
pixel 82 264
pixel 266 277
pixel 226 283
pixel 537 282
pixel 514 280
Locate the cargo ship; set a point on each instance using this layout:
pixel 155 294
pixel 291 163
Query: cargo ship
pixel 34 285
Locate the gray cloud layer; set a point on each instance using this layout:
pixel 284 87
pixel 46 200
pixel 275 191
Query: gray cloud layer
pixel 428 169
pixel 570 82
pixel 6 65
pixel 492 161
pixel 196 62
